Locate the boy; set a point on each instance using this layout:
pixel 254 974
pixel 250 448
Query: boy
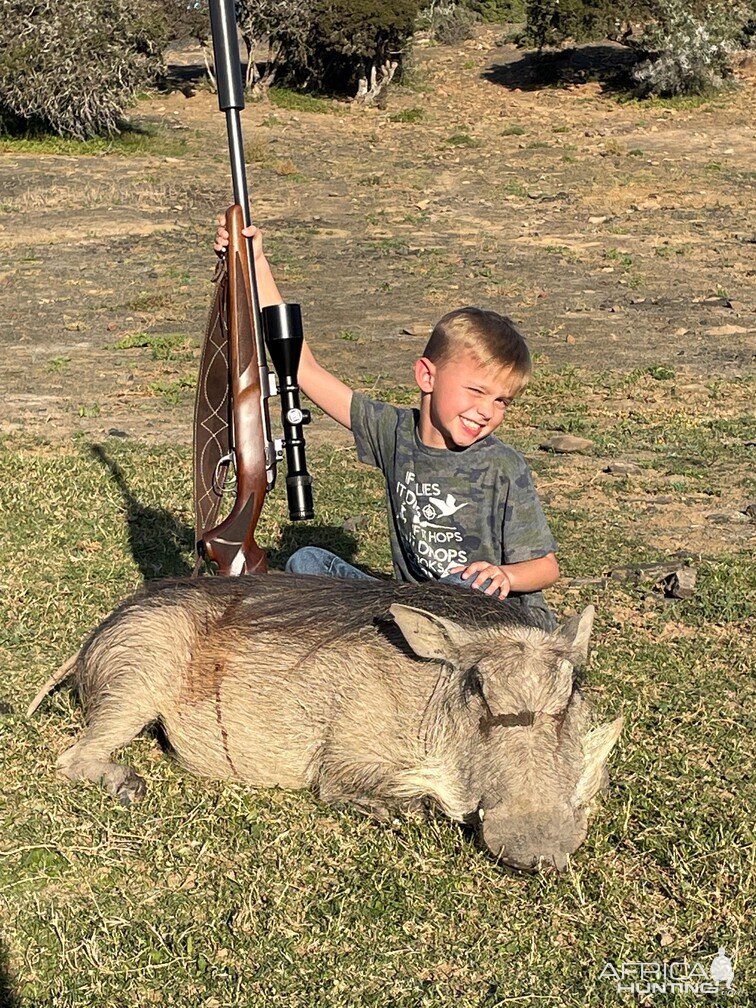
pixel 462 505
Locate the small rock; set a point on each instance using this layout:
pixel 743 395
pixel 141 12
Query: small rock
pixel 416 329
pixel 565 443
pixel 749 509
pixel 655 572
pixel 116 432
pixel 597 220
pixel 727 517
pixel 716 302
pixel 620 468
pixel 665 939
pixel 680 332
pixel 569 339
pixel 681 584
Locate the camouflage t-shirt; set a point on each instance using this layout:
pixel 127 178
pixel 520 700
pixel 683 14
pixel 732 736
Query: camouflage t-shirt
pixel 448 508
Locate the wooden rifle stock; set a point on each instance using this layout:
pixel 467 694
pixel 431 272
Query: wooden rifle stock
pixel 231 544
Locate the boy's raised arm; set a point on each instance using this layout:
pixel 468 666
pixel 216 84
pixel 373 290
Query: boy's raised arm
pixel 326 390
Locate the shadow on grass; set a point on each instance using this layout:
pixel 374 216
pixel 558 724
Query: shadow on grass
pixel 158 541
pixel 8 998
pixel 606 62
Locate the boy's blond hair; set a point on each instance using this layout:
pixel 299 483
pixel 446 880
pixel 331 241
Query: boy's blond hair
pixel 494 339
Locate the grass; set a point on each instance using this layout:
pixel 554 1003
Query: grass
pixel 141 141
pixel 409 115
pixel 239 897
pixel 463 140
pixel 295 101
pixel 174 391
pixel 163 346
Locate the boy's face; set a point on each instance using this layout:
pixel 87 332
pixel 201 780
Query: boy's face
pixel 467 400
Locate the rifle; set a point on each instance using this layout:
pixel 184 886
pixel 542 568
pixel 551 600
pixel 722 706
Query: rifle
pixel 232 429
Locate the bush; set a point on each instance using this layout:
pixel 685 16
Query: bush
pixel 448 22
pixel 689 54
pixel 284 26
pixel 354 44
pixel 687 44
pixel 499 11
pixel 72 66
pixel 550 22
pixel 185 18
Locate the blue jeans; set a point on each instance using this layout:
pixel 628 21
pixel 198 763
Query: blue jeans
pixel 314 560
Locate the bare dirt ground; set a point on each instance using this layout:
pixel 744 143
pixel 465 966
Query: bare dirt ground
pixel 618 235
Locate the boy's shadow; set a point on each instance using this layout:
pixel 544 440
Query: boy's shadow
pixel 160 542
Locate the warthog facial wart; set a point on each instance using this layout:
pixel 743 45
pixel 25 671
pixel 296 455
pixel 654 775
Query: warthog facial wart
pixel 380 694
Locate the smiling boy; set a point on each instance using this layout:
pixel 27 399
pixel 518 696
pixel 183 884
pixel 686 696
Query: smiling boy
pixel 462 506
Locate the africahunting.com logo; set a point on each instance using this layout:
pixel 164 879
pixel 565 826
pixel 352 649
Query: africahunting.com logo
pixel 676 977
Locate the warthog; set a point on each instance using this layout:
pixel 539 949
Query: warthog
pixel 376 693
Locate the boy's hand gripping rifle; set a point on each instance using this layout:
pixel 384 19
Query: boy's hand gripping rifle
pixel 231 419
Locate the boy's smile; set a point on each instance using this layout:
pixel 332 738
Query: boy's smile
pixel 463 401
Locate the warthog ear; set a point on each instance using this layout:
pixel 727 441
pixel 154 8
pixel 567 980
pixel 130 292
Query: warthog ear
pixel 576 633
pixel 565 678
pixel 597 745
pixel 428 635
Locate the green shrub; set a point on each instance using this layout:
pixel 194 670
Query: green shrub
pixel 499 11
pixel 550 22
pixel 448 22
pixel 687 44
pixel 354 43
pixel 284 26
pixel 689 53
pixel 72 66
pixel 185 18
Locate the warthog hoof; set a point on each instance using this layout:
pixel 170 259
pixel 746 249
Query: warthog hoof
pixel 124 784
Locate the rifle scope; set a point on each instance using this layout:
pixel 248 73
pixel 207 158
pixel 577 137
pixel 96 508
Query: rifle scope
pixel 283 335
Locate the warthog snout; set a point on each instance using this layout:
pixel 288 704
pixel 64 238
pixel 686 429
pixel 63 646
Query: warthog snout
pixel 529 842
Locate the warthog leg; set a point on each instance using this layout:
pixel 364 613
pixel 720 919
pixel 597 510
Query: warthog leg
pixel 88 758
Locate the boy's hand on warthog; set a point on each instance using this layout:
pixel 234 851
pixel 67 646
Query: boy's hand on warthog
pixel 221 238
pixel 500 580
